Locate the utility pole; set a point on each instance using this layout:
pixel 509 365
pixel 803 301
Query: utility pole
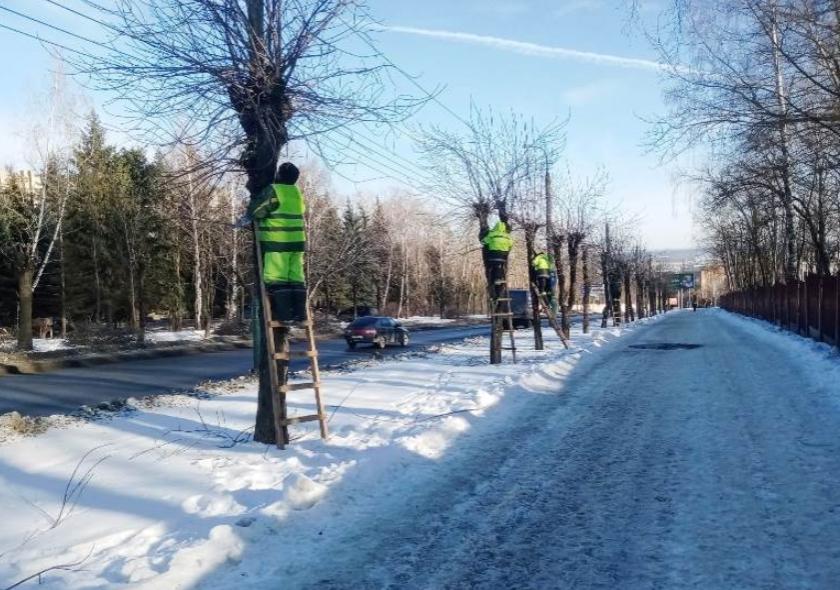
pixel 549 224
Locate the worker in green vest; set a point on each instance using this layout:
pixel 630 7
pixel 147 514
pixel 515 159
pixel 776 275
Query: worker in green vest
pixel 281 232
pixel 496 245
pixel 541 268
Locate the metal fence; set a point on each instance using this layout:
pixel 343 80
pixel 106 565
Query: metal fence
pixel 810 307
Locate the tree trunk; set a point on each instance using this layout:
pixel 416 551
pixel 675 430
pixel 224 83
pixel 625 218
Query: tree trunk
pixel 141 302
pixel 232 303
pixel 628 298
pixel 177 313
pixel 584 263
pixel 557 247
pixel 608 301
pixel 573 248
pixel 386 288
pixel 787 190
pixel 536 319
pixel 97 278
pixel 24 335
pixel 640 297
pixel 197 285
pixel 134 318
pixel 62 285
pixel 402 283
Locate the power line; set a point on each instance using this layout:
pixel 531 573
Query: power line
pixel 390 156
pixel 81 14
pixel 400 177
pixel 415 174
pixel 54 27
pixel 42 40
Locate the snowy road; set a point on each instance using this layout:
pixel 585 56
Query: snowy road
pixel 708 466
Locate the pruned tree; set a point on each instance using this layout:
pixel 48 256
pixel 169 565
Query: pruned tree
pixel 478 172
pixel 245 77
pixel 579 209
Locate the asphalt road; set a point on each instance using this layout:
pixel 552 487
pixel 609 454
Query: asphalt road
pixel 65 390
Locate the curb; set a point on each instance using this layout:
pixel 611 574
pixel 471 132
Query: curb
pixel 43 366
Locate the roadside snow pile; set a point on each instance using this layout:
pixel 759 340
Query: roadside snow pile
pixel 50 344
pixel 38 345
pixel 420 320
pixel 159 336
pixel 828 372
pixel 177 496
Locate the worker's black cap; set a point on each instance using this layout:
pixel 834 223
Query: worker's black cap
pixel 287 173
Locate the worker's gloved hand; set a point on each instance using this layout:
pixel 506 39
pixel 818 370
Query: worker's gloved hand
pixel 244 221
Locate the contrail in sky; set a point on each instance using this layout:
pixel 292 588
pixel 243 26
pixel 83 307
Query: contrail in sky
pixel 533 49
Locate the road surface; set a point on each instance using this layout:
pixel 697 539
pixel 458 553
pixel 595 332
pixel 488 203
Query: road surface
pixel 65 390
pixel 690 456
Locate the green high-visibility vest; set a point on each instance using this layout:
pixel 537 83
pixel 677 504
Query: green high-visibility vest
pixel 283 228
pixel 541 263
pixel 498 239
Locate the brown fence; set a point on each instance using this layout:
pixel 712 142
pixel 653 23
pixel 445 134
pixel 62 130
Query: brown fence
pixel 810 307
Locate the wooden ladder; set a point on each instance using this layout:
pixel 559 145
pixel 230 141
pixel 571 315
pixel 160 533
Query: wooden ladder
pixel 276 336
pixel 501 311
pixel 552 317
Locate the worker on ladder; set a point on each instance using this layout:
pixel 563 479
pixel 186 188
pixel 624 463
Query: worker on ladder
pixel 281 232
pixel 496 245
pixel 541 266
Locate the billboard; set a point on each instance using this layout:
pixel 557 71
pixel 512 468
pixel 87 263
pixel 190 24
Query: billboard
pixel 682 280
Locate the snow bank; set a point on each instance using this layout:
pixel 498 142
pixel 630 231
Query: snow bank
pixel 821 357
pixel 176 495
pixel 159 336
pixel 38 345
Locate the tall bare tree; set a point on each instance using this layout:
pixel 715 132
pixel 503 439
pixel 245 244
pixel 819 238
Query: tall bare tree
pixel 247 77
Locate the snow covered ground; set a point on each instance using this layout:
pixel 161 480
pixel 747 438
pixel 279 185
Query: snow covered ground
pixel 159 336
pixel 698 450
pixel 39 345
pixel 166 496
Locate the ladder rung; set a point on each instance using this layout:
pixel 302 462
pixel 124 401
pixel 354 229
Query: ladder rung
pixel 298 419
pixel 500 282
pixel 303 324
pixel 503 299
pixel 298 386
pixel 499 315
pixel 508 348
pixel 285 356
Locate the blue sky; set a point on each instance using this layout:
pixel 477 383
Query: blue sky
pixel 542 58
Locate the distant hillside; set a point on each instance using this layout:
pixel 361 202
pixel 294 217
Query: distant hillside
pixel 681 258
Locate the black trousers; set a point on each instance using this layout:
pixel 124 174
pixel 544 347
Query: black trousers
pixel 543 284
pixel 288 302
pixel 498 271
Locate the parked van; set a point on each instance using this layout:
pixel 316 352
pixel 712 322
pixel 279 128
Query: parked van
pixel 520 305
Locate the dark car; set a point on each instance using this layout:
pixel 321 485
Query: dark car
pixel 361 311
pixel 376 330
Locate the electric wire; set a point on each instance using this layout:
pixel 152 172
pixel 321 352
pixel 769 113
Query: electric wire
pixel 60 29
pixel 47 41
pixel 406 171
